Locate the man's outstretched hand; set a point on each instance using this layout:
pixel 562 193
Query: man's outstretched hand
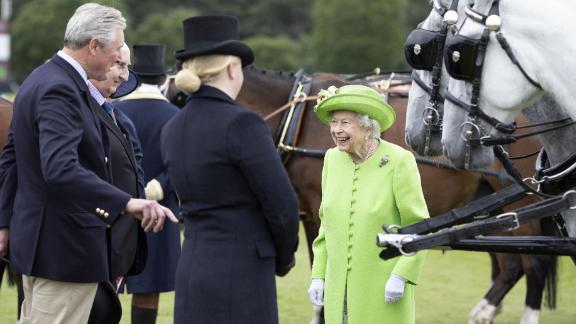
pixel 151 213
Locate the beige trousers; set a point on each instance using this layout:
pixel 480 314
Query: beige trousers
pixel 56 302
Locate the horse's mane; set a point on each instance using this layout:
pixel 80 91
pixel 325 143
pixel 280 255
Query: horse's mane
pixel 270 72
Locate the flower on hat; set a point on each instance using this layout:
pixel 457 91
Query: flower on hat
pixel 325 94
pixel 357 98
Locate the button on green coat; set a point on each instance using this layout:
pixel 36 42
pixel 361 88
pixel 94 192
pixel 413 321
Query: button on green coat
pixel 356 201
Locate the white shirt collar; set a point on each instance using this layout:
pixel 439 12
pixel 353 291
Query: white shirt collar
pixel 145 87
pixel 96 94
pixel 74 64
pixel 93 90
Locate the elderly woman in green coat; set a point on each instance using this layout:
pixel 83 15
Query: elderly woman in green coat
pixel 366 182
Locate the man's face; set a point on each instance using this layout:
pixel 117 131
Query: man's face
pixel 102 58
pixel 118 73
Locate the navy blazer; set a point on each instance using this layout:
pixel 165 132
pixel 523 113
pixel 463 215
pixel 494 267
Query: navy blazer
pixel 150 112
pixel 128 240
pixel 239 208
pixel 130 128
pixel 149 116
pixel 64 201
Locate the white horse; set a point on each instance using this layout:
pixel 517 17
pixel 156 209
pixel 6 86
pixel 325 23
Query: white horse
pixel 542 40
pixel 426 141
pixel 419 134
pixel 533 29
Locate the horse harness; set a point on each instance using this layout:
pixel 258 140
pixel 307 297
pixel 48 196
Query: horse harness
pixel 424 50
pixel 464 59
pixel 286 135
pixel 478 221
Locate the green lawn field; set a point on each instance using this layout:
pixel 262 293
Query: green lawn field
pixel 452 283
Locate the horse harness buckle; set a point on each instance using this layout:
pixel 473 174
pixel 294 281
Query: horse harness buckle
pixel 514 217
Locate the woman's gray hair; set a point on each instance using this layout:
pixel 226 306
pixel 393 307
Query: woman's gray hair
pixel 367 123
pixel 370 124
pixel 92 20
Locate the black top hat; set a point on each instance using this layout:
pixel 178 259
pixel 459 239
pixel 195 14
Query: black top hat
pixel 149 59
pixel 204 35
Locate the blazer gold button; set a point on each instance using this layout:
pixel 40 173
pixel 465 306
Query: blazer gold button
pixel 106 215
pixel 98 210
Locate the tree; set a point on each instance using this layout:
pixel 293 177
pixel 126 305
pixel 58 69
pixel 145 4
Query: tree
pixel 262 17
pixel 38 32
pixel 418 10
pixel 141 9
pixel 357 36
pixel 163 28
pixel 277 53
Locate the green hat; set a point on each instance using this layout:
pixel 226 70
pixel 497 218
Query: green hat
pixel 358 98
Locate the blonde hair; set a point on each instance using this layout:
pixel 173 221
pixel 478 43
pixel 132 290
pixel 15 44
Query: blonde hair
pixel 201 70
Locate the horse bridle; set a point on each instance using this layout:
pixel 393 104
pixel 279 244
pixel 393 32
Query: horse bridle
pixel 464 59
pixel 424 50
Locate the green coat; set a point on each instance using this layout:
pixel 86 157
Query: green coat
pixel 356 201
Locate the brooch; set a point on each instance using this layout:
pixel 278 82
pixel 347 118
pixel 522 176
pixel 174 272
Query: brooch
pixel 384 160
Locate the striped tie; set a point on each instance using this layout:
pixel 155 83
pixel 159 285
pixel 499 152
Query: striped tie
pixel 109 107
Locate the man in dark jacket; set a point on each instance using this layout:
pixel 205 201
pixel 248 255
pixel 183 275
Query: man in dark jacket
pixel 61 198
pixel 128 240
pixel 150 111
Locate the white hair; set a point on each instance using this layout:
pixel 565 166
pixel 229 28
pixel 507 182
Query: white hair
pixel 369 124
pixel 92 20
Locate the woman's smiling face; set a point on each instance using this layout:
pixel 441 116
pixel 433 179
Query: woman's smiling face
pixel 347 132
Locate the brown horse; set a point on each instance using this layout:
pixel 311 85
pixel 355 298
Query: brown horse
pixel 5 118
pixel 444 189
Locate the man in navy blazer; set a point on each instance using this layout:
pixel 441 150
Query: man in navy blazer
pixel 64 201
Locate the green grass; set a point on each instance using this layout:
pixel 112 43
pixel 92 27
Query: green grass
pixel 452 283
pixel 10 96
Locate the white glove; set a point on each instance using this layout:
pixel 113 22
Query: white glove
pixel 154 190
pixel 394 288
pixel 316 292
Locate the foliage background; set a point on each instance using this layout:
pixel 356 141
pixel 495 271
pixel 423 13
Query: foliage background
pixel 343 36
